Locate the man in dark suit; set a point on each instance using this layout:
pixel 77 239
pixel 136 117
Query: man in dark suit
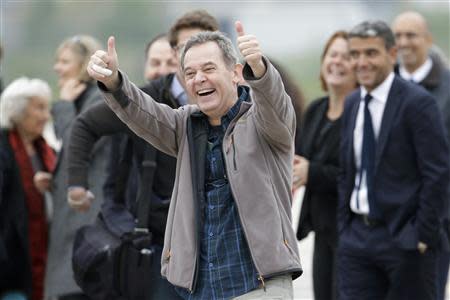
pixel 393 184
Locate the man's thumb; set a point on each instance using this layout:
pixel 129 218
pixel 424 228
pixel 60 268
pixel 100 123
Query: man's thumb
pixel 111 46
pixel 239 28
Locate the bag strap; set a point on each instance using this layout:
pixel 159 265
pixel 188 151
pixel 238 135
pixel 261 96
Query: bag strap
pixel 124 169
pixel 145 191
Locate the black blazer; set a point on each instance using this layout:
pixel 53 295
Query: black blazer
pixel 15 259
pixel 318 212
pixel 411 166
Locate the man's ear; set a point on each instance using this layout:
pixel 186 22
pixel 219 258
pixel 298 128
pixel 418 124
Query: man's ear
pixel 393 54
pixel 428 39
pixel 237 74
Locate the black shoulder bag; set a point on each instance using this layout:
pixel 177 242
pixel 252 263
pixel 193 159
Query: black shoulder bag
pixel 108 266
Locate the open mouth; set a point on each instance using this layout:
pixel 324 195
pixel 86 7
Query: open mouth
pixel 336 71
pixel 205 92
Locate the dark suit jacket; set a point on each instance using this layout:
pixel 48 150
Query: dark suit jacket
pixel 411 166
pixel 318 212
pixel 15 259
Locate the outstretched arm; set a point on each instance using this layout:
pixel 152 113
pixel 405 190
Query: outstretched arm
pixel 99 120
pixel 156 123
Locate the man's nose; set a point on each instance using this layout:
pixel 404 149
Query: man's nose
pixel 401 40
pixel 200 77
pixel 361 61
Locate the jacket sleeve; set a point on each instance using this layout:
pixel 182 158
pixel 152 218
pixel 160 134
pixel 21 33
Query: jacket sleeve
pixel 156 123
pixel 273 107
pixel 432 150
pixel 88 128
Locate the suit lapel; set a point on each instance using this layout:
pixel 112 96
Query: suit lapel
pixel 351 148
pixel 392 104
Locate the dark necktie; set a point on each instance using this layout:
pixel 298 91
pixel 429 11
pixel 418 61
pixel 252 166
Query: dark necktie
pixel 368 155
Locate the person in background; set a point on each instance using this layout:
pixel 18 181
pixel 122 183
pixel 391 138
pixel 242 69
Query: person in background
pixel 317 164
pixel 26 167
pixel 416 64
pixel 393 184
pixel 160 59
pixel 77 92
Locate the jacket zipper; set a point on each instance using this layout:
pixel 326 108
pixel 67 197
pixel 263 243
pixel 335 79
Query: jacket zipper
pixel 234 152
pixel 260 277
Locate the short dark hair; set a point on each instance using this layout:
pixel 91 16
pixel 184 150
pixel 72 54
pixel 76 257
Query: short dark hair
pixel 368 29
pixel 200 19
pixel 161 36
pixel 226 46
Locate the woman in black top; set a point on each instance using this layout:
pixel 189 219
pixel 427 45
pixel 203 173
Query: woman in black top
pixel 317 162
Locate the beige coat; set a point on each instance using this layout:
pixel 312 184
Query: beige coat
pixel 258 151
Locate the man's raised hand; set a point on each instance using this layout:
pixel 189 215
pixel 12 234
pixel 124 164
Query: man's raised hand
pixel 249 47
pixel 103 66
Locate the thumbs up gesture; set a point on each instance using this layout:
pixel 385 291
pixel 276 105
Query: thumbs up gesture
pixel 249 48
pixel 103 66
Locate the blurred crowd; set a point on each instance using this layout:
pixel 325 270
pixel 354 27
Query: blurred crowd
pixel 54 180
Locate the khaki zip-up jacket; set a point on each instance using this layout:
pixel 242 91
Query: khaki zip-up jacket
pixel 258 148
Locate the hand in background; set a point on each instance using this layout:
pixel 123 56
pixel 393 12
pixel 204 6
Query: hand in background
pixel 71 89
pixel 42 181
pixel 80 199
pixel 300 171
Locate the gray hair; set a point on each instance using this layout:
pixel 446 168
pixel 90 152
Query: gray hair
pixel 16 96
pixel 370 29
pixel 226 46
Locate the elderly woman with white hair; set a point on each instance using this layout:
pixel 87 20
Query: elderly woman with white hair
pixel 26 166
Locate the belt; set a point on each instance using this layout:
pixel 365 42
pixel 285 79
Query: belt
pixel 370 222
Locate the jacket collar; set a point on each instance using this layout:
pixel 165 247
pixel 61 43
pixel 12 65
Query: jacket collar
pixel 237 110
pixel 432 79
pixel 390 111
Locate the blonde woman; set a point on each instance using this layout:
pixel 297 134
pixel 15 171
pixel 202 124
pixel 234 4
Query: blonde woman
pixel 77 92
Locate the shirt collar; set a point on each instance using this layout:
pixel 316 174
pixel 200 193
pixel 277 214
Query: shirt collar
pixel 177 90
pixel 381 92
pixel 419 74
pixel 243 95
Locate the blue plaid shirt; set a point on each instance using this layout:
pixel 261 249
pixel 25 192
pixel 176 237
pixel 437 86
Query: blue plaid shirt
pixel 226 268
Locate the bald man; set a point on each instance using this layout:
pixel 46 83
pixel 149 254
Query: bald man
pixel 419 65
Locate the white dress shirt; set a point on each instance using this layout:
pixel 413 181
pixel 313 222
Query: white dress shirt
pixel 178 91
pixel 418 75
pixel 376 108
